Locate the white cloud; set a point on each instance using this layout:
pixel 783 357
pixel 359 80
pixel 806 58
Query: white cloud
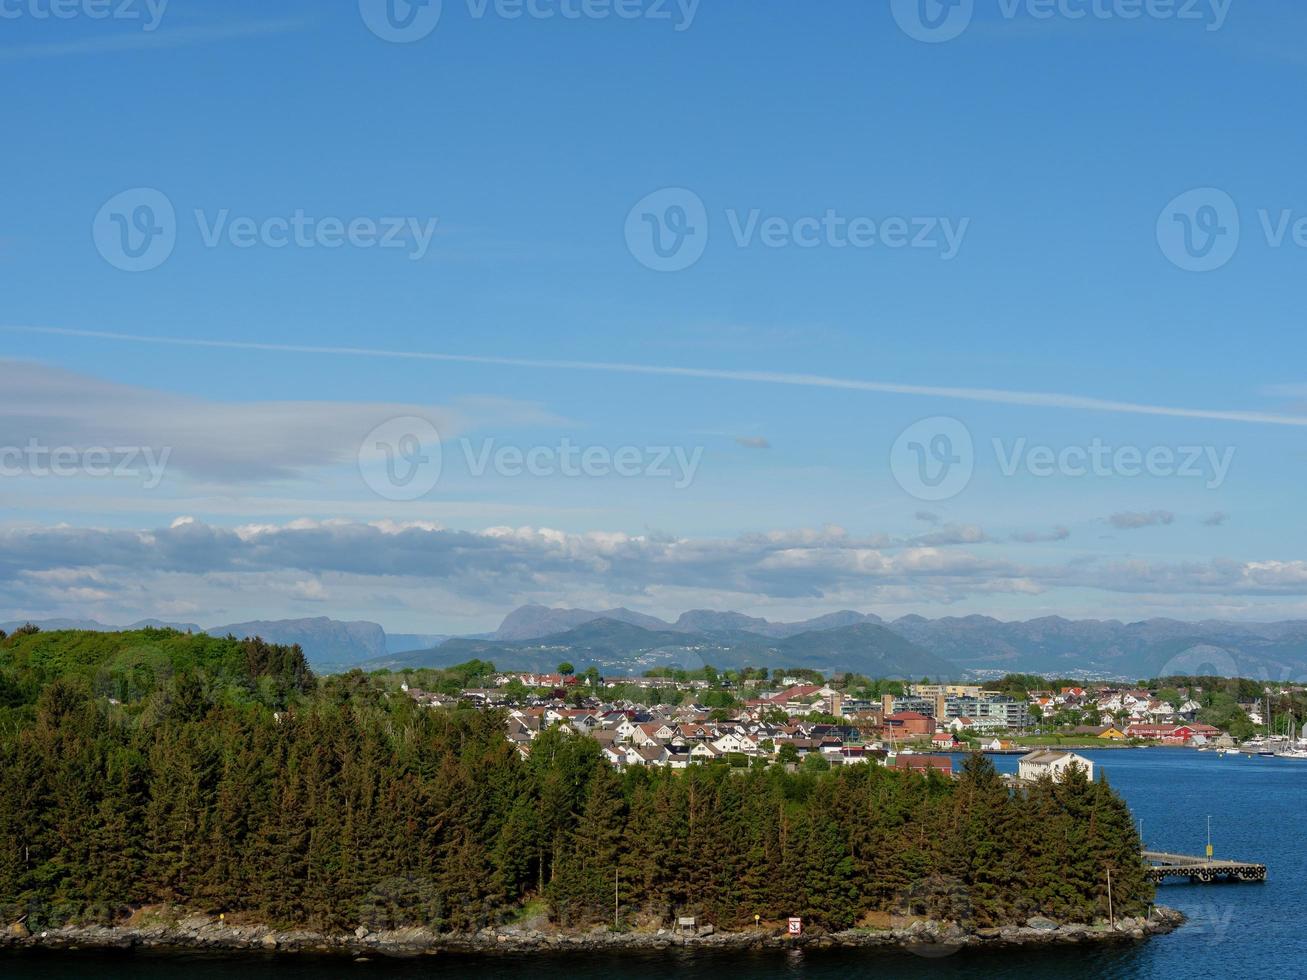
pixel 362 567
pixel 1133 520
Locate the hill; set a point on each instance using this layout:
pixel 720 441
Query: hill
pixel 617 647
pixel 128 667
pixel 330 645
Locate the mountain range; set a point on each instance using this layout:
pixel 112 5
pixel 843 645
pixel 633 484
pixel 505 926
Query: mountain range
pixel 618 647
pixel 624 641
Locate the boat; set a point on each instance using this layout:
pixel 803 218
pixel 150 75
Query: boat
pixel 1293 747
pixel 1268 749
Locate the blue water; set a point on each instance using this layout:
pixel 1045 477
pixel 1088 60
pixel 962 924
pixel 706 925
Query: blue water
pixel 1235 930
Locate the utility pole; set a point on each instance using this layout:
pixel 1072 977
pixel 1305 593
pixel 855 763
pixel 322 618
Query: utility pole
pixel 1111 915
pixel 1209 837
pixel 616 907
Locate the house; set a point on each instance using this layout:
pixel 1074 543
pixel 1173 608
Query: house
pixel 1109 732
pixel 625 729
pixel 652 733
pixel 704 752
pixel 614 756
pixel 943 741
pixel 1166 734
pixel 675 756
pixel 1043 762
pixel 645 755
pixel 849 754
pixel 924 764
pixel 736 742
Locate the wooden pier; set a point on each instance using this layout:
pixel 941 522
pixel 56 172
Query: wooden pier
pixel 1162 865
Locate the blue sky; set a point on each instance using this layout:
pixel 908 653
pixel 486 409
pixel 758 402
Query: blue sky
pixel 1052 148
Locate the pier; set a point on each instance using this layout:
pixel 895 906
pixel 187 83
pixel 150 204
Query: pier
pixel 1162 865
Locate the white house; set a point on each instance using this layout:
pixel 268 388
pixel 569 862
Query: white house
pixel 1044 762
pixel 735 742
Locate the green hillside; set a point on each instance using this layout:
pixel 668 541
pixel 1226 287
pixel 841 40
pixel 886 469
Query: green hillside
pixel 129 667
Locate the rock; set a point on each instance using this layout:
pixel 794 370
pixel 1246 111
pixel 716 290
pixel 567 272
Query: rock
pixel 269 941
pixel 361 932
pixel 1040 923
pixel 19 931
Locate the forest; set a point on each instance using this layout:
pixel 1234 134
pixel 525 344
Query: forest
pixel 220 775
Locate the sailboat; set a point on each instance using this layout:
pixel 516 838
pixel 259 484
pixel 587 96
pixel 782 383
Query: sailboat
pixel 1267 747
pixel 1294 749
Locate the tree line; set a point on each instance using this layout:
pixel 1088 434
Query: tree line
pixel 277 797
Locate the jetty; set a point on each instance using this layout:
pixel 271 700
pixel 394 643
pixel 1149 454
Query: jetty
pixel 1162 865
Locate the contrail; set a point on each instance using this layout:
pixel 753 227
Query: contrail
pixel 142 40
pixel 992 395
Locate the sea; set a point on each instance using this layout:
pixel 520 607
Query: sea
pixel 1257 808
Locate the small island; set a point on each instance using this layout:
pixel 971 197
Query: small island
pixel 159 788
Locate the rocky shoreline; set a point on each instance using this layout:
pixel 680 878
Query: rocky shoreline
pixel 207 933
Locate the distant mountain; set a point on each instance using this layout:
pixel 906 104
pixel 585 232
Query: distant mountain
pixel 537 637
pixel 329 644
pixel 403 642
pixel 624 641
pixel 160 624
pixel 709 621
pixel 529 622
pixel 1143 649
pixel 533 622
pixel 864 648
pixel 616 647
pixel 830 621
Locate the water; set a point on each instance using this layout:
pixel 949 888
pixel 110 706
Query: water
pixel 1235 930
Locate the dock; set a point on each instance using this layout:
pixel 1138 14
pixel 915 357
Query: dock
pixel 1162 865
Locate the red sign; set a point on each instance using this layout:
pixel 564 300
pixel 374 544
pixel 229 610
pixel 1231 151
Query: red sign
pixel 796 927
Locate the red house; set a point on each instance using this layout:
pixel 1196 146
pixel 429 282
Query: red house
pixel 1168 734
pixel 924 764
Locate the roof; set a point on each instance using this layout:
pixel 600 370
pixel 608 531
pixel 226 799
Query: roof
pixel 939 762
pixel 799 691
pixel 1044 757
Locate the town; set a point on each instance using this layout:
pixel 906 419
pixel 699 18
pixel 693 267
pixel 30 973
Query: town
pixel 676 719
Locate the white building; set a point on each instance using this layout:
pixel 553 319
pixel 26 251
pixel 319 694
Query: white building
pixel 1049 763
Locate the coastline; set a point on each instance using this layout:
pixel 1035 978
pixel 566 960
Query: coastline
pixel 207 933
